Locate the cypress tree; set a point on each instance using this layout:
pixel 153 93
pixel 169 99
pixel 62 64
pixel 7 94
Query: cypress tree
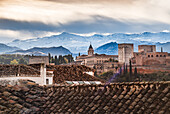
pixel 124 69
pixel 60 59
pixel 135 72
pixel 49 57
pixel 55 60
pixel 130 69
pixel 52 59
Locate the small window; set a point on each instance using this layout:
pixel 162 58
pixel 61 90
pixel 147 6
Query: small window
pixel 160 55
pixel 47 81
pixel 148 55
pixel 151 55
pixel 156 55
pixel 164 55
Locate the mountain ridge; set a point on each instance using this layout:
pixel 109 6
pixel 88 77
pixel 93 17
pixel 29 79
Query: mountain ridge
pixel 109 49
pixel 5 48
pixel 78 43
pixel 43 51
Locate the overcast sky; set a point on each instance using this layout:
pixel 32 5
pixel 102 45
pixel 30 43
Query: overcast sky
pixel 25 19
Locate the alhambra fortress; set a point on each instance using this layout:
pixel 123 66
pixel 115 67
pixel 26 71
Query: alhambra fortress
pixel 147 60
pixel 44 88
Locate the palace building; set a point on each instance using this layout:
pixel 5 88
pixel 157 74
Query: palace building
pixel 100 62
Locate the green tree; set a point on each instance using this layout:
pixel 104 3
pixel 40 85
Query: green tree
pixel 55 60
pixel 14 62
pixel 60 59
pixel 65 60
pixel 22 61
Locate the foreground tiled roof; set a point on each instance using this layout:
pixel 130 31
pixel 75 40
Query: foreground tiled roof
pixel 114 98
pixel 24 98
pixel 20 71
pixel 9 70
pixel 71 73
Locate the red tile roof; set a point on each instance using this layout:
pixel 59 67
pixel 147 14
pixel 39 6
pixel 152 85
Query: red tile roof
pixel 115 98
pixel 72 73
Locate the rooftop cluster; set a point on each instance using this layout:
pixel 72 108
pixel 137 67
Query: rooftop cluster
pixel 28 97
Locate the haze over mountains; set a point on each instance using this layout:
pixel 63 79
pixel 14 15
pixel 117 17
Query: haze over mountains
pixel 43 51
pixel 5 48
pixel 107 44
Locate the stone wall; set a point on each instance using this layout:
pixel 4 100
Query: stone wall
pixel 147 48
pixel 38 60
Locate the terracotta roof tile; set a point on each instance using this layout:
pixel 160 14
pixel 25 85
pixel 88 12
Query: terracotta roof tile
pixel 114 98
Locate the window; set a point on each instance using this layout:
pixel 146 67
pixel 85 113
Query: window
pixel 148 55
pixel 164 55
pixel 156 55
pixel 151 55
pixel 160 55
pixel 47 81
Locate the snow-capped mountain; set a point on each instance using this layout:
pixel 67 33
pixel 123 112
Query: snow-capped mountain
pixel 78 43
pixel 109 49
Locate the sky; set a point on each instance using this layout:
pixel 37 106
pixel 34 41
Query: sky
pixel 23 19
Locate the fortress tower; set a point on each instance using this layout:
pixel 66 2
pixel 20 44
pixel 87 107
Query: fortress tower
pixel 125 52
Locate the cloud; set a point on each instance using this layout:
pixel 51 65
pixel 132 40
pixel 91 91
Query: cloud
pixel 97 23
pixel 65 11
pixel 91 1
pixel 35 18
pixel 10 24
pixel 12 29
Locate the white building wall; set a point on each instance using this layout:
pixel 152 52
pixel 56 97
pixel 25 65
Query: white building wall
pixel 38 80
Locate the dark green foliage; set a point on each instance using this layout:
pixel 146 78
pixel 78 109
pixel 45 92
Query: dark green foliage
pixel 157 76
pixel 61 59
pixel 49 57
pixel 106 75
pixel 130 68
pixel 124 69
pixel 7 58
pixel 22 61
pixel 55 61
pixel 52 59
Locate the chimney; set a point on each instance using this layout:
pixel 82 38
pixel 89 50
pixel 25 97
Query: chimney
pixel 43 73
